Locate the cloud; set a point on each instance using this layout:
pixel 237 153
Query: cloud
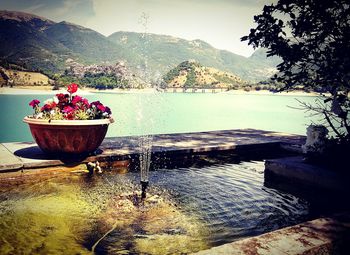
pixel 34 8
pixel 218 22
pixel 76 11
pixel 30 5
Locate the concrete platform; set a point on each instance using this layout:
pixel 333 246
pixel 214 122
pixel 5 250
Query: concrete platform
pixel 27 155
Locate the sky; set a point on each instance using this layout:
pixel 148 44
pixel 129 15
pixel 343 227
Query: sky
pixel 221 23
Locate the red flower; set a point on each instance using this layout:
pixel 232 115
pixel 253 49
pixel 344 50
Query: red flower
pixel 72 88
pixel 62 98
pixel 48 107
pixel 69 116
pixel 70 106
pixel 34 103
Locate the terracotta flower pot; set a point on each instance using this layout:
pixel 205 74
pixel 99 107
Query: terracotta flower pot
pixel 68 136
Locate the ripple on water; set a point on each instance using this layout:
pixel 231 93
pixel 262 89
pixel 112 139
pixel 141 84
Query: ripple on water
pixel 188 208
pixel 232 200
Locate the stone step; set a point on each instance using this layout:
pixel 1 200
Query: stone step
pixel 8 161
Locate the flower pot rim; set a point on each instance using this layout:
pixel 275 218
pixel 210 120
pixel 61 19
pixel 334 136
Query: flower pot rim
pixel 29 120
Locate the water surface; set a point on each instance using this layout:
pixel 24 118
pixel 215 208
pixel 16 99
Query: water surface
pixel 187 210
pixel 139 114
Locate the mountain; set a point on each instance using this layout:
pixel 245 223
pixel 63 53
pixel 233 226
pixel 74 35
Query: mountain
pixel 165 52
pixel 37 43
pixel 193 74
pixel 23 41
pixel 89 45
pixel 260 55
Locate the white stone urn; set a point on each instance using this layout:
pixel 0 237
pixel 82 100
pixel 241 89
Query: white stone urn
pixel 316 140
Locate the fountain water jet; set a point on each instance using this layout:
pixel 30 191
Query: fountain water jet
pixel 145 143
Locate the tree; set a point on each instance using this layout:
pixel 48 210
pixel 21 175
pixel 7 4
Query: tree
pixel 312 38
pixel 190 78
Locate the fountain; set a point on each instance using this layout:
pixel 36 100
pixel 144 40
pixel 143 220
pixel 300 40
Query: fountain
pixel 145 143
pixel 190 208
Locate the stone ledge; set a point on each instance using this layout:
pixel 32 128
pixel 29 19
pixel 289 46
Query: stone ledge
pixel 293 170
pixel 119 148
pixel 321 236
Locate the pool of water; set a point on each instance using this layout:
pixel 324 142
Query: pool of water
pixel 187 209
pixel 164 113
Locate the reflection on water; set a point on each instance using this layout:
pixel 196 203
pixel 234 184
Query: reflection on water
pixel 186 210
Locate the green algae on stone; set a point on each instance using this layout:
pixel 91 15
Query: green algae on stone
pixel 72 212
pixel 154 226
pixel 51 224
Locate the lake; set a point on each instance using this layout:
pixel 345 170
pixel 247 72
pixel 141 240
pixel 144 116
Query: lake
pixel 156 113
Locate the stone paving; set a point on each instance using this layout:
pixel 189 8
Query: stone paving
pixel 25 155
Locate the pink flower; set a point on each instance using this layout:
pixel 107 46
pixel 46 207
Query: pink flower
pixel 70 106
pixel 101 107
pixel 95 104
pixel 68 109
pixel 107 110
pixel 76 99
pixel 80 103
pixel 98 105
pixel 72 88
pixel 34 103
pixel 85 102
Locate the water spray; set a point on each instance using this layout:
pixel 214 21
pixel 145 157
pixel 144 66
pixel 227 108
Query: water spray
pixel 144 185
pixel 145 143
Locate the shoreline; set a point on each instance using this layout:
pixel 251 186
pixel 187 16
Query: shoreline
pixel 47 90
pixel 267 92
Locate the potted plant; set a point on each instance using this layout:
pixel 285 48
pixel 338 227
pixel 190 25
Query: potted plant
pixel 68 123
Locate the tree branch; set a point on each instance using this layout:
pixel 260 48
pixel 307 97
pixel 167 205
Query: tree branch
pixel 332 126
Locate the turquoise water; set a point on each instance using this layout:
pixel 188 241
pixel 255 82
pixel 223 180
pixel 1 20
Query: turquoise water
pixel 157 113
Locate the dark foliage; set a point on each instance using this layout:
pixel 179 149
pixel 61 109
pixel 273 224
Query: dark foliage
pixel 312 39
